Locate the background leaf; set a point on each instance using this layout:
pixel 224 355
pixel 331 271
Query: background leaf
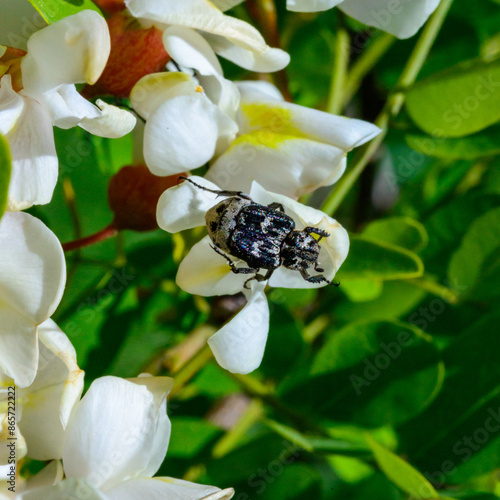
pixel 5 168
pixel 54 10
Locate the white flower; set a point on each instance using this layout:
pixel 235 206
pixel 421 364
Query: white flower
pixel 231 38
pixel 402 18
pixel 289 149
pixel 32 279
pixel 190 121
pixel 116 439
pixel 42 93
pixel 42 410
pixel 239 345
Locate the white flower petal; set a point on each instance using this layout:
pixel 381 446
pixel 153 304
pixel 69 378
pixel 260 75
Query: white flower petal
pixel 168 488
pixel 41 425
pixel 57 365
pixel 7 451
pixel 159 388
pixel 72 50
pixel 18 21
pixel 151 91
pixel 18 345
pixel 231 38
pixel 224 5
pixel 11 105
pixel 34 157
pixel 111 433
pixel 402 20
pixel 264 60
pixel 284 164
pixel 184 206
pixel 32 267
pixel 187 48
pixel 311 5
pixel 182 134
pixel 294 120
pixel 204 272
pixel 71 488
pixel 239 345
pixel 112 121
pixel 258 90
pixel 51 474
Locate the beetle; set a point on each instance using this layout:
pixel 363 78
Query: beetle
pixel 263 236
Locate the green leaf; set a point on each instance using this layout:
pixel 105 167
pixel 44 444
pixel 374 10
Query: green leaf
pixel 484 143
pixel 285 345
pixel 448 225
pixel 291 434
pixel 458 436
pixel 458 101
pixel 5 169
pixel 191 436
pixel 477 258
pixel 54 10
pixel 401 231
pixel 369 374
pixel 371 259
pixel 401 473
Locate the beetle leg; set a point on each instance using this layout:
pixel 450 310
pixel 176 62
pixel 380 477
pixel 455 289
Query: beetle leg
pixel 319 269
pixel 259 277
pixel 239 194
pixel 315 230
pixel 316 279
pixel 277 206
pixel 236 270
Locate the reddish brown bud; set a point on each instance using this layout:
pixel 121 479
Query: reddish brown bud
pixel 110 6
pixel 133 194
pixel 135 52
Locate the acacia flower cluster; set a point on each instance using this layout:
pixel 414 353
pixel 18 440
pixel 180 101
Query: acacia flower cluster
pixel 110 443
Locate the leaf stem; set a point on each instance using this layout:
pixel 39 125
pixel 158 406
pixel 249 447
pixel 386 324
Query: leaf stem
pixel 104 234
pixel 377 48
pixel 392 106
pixel 341 52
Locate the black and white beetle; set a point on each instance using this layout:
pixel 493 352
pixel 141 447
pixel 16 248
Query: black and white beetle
pixel 263 236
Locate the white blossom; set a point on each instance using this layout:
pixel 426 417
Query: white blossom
pixel 116 439
pixel 247 131
pixel 72 50
pixel 239 345
pixel 230 38
pixel 32 279
pixel 402 18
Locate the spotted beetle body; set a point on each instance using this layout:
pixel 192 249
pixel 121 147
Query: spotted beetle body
pixel 262 236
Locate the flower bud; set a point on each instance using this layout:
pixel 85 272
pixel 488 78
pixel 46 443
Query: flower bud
pixel 133 194
pixel 135 52
pixel 110 6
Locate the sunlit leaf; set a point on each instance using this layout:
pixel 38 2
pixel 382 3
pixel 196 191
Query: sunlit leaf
pixel 402 473
pixel 54 10
pixel 5 168
pixel 458 101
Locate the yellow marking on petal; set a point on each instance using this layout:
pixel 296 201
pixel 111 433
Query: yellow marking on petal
pixel 199 88
pixel 264 138
pixel 273 119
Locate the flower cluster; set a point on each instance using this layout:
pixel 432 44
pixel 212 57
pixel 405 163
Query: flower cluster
pixel 110 443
